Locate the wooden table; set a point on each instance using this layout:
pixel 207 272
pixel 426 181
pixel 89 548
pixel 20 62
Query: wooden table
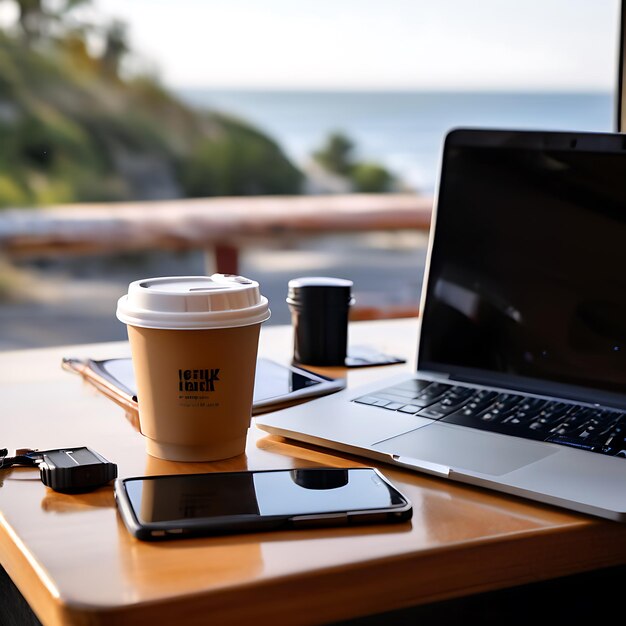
pixel 74 562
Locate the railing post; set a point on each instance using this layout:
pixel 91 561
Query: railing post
pixel 226 257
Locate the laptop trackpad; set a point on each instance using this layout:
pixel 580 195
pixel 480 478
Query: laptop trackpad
pixel 465 449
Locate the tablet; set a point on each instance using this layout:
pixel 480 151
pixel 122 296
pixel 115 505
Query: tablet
pixel 275 384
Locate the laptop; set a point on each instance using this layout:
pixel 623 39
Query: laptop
pixel 520 383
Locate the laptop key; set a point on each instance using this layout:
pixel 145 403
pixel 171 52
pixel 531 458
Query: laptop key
pixel 478 402
pixel 394 406
pixel 519 417
pixel 506 401
pixel 398 393
pixel 615 443
pixel 435 389
pixel 407 399
pixel 394 397
pixel 532 404
pixel 460 393
pixel 442 407
pixel 366 400
pixel 614 422
pixel 431 413
pixel 410 408
pixel 424 401
pixel 501 408
pixel 382 402
pixel 430 396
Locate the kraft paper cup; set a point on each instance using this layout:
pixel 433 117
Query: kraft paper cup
pixel 194 342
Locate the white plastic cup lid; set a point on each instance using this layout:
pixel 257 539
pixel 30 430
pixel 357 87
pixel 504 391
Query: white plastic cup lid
pixel 193 302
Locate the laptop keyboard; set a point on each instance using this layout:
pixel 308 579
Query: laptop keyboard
pixel 564 423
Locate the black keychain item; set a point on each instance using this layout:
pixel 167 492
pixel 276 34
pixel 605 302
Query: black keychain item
pixel 68 470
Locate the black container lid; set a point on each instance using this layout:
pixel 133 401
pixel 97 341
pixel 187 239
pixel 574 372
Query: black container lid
pixel 300 290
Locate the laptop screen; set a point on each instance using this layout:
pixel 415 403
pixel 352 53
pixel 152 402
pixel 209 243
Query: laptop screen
pixel 527 275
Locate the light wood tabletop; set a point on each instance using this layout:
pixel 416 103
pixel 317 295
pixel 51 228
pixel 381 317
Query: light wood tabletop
pixel 75 563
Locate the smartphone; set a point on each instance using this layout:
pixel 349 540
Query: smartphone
pixel 183 505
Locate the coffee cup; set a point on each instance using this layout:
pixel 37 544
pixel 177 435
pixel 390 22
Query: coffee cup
pixel 194 343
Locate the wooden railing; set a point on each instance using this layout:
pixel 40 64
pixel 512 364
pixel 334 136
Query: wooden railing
pixel 220 226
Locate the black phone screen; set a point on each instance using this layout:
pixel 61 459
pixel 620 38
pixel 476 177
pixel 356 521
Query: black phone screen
pixel 265 493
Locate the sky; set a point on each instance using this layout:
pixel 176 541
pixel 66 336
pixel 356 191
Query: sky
pixel 378 45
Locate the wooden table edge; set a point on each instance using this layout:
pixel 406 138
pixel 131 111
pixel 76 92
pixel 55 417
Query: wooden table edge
pixel 348 591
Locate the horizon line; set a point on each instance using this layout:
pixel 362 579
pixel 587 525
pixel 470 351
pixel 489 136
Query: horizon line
pixel 372 90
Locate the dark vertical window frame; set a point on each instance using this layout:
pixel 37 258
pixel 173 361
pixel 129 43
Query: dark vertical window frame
pixel 620 95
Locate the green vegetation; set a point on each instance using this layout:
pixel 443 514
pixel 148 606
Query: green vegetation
pixel 371 178
pixel 337 157
pixel 337 154
pixel 238 161
pixel 75 129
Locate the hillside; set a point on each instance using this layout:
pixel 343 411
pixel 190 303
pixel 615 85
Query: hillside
pixel 74 132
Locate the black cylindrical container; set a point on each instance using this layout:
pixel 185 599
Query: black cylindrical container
pixel 319 308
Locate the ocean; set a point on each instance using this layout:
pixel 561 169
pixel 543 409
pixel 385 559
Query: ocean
pixel 401 130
